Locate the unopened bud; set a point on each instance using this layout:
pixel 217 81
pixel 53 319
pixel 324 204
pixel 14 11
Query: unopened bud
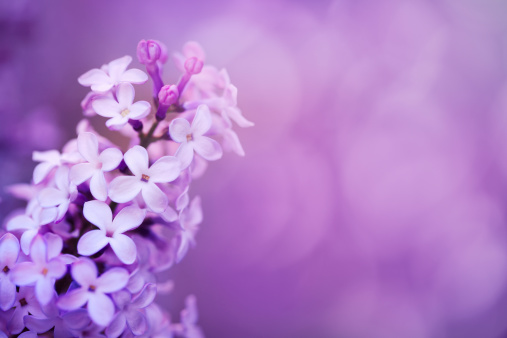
pixel 168 95
pixel 149 51
pixel 193 65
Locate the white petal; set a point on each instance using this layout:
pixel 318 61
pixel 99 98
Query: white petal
pixel 136 159
pixel 88 146
pixel 26 240
pixel 155 199
pixel 41 171
pixel 128 218
pixel 98 186
pixel 139 110
pixel 94 76
pixel 208 148
pixel 84 272
pixel 102 87
pixel 166 169
pixel 134 76
pixel 117 122
pixel 124 248
pixel 231 142
pixel 202 121
pixel 117 325
pixel 235 114
pixel 54 243
pixel 169 215
pixel 51 197
pixel 124 189
pixel 110 159
pixel 112 280
pixel 44 290
pixel 179 129
pixel 125 94
pixel 73 300
pixel 117 67
pixel 185 154
pixel 20 222
pixel 100 308
pixel 106 107
pixel 81 172
pixel 92 242
pixel 98 213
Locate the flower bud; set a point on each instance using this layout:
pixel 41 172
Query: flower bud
pixel 168 95
pixel 193 65
pixel 149 51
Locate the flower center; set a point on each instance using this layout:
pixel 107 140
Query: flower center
pixel 44 271
pixel 6 269
pixel 22 302
pixel 145 178
pixel 125 112
pixel 92 288
pixel 189 137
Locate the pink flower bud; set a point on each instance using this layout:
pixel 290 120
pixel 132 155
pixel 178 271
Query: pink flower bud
pixel 193 65
pixel 149 51
pixel 168 95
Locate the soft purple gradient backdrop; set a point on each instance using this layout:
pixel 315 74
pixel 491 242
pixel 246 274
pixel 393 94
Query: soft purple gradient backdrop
pixel 372 200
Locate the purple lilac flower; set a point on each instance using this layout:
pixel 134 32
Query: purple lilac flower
pixel 9 252
pixel 26 302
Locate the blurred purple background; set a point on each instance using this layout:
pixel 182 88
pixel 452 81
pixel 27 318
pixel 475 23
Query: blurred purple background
pixel 372 200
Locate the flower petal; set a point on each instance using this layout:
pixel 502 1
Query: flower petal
pixel 98 186
pixel 84 272
pixel 94 76
pixel 81 172
pixel 185 154
pixel 146 296
pixel 179 129
pixel 20 222
pixel 112 280
pixel 117 122
pixel 88 146
pixel 50 197
pixel 139 110
pixel 41 171
pixel 124 248
pixel 124 189
pixel 208 148
pixel 25 273
pixel 76 320
pixel 137 160
pixel 128 218
pixel 202 121
pixel 136 76
pixel 100 308
pixel 118 66
pixel 38 251
pixel 91 242
pixel 73 299
pixel 125 94
pixel 7 293
pixel 26 240
pixel 117 325
pixel 136 322
pixel 44 289
pixel 9 250
pixel 98 213
pixel 38 325
pixel 235 114
pixel 154 198
pixel 110 159
pixel 165 169
pixel 106 107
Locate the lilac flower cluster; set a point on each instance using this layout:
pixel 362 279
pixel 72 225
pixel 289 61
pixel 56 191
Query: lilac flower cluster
pixel 84 257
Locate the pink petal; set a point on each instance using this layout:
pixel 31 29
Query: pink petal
pixel 128 218
pixel 185 154
pixel 38 251
pixel 7 293
pixel 106 107
pixel 165 169
pixel 98 186
pixel 81 172
pixel 192 48
pixel 125 94
pixel 91 242
pixel 26 240
pixel 112 280
pixel 208 148
pixel 202 121
pixel 9 250
pixel 194 213
pixel 25 273
pixel 136 322
pixel 118 66
pixel 100 308
pixel 88 146
pixel 73 299
pixel 124 189
pixel 44 290
pixel 134 76
pixel 41 171
pixel 110 159
pixel 117 325
pixel 50 197
pixel 179 129
pixel 139 110
pixel 154 198
pixel 84 272
pixel 231 141
pixel 94 76
pixel 235 114
pixel 146 296
pixel 54 245
pixel 98 213
pixel 124 248
pixel 137 160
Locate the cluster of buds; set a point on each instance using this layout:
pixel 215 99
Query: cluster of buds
pixel 84 257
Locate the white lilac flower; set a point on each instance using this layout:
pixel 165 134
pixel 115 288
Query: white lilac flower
pixel 125 188
pixel 191 137
pixel 96 165
pixel 60 196
pixel 44 269
pixel 9 252
pixel 119 112
pixel 102 80
pixel 93 290
pixel 110 230
pixel 48 160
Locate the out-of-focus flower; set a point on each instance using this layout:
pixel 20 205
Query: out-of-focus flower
pixel 9 252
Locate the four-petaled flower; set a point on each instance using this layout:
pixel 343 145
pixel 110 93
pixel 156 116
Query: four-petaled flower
pixel 125 188
pixel 191 137
pixel 9 252
pixel 122 110
pixel 110 230
pixel 108 160
pixel 102 80
pixel 94 290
